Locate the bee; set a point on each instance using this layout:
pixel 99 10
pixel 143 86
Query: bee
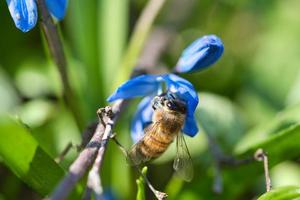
pixel 167 121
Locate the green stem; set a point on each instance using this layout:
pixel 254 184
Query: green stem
pixel 141 185
pixel 57 52
pixel 137 41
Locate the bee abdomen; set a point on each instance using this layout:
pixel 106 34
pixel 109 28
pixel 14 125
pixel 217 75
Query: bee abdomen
pixel 153 147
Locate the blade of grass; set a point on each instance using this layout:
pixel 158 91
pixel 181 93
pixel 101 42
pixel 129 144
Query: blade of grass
pixel 112 33
pixel 56 49
pixel 23 155
pixel 84 39
pixel 137 41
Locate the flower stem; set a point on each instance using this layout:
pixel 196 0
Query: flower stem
pixel 57 52
pixel 138 38
pixel 260 155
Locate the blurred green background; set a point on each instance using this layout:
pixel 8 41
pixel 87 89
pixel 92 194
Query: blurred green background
pixel 248 99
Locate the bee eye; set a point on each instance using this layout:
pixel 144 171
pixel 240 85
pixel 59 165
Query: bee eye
pixel 170 106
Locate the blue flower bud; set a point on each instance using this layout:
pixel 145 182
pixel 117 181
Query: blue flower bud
pixel 57 8
pixel 24 13
pixel 200 54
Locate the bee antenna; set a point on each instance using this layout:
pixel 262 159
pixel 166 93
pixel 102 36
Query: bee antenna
pixel 162 94
pixel 172 96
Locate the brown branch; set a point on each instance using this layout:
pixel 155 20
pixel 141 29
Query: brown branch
pixel 57 52
pixel 94 182
pixel 87 156
pixel 221 160
pixel 79 166
pixel 106 117
pixel 261 156
pixel 87 135
pixel 62 155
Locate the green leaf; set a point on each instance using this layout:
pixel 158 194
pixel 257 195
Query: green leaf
pixel 265 71
pixel 83 35
pixel 112 35
pixel 282 193
pixel 141 185
pixel 23 155
pixel 280 146
pixel 220 118
pixel 283 120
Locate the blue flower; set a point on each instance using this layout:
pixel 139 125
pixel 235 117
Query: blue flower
pixel 24 12
pixel 148 86
pixel 200 54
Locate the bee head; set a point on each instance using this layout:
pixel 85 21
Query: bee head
pixel 175 105
pixel 169 102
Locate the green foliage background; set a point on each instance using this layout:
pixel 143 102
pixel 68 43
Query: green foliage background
pixel 249 99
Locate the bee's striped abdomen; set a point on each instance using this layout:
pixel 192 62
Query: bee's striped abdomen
pixel 157 138
pixel 153 145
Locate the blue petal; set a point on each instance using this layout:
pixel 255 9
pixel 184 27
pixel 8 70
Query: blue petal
pixel 57 8
pixel 200 54
pixel 142 118
pixel 185 91
pixel 190 126
pixel 24 13
pixel 143 85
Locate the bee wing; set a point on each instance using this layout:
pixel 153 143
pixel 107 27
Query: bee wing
pixel 183 164
pixel 135 155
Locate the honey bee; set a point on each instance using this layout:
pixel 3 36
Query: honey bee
pixel 167 121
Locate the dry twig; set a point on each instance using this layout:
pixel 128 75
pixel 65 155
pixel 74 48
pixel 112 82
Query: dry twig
pixel 87 156
pixel 62 155
pixel 261 156
pixel 221 160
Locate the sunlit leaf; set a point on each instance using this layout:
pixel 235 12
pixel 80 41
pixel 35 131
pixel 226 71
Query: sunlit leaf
pixel 23 155
pixel 285 173
pixel 282 193
pixel 284 119
pixel 281 146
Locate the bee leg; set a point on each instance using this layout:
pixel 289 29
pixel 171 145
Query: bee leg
pixel 121 147
pixel 154 104
pixel 153 107
pixel 157 102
